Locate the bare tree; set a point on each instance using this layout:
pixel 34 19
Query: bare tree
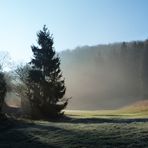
pixel 21 86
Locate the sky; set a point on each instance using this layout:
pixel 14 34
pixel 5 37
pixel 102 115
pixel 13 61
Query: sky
pixel 72 22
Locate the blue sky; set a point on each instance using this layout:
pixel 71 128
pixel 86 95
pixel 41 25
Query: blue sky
pixel 72 23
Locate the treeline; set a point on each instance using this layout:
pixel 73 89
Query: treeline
pixel 106 76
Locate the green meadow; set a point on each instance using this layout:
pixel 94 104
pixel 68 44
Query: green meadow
pixel 127 127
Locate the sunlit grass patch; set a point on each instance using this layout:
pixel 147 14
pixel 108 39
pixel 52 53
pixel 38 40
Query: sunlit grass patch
pixel 136 110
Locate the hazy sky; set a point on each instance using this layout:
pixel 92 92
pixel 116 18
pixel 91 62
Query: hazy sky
pixel 72 22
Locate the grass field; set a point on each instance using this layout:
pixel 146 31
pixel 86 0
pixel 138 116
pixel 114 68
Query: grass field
pixel 81 129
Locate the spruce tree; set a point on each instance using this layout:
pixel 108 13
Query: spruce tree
pixel 46 82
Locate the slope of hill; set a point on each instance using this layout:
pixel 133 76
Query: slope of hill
pixel 106 76
pixel 140 107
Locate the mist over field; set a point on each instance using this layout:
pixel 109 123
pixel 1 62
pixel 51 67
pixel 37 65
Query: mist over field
pixel 106 76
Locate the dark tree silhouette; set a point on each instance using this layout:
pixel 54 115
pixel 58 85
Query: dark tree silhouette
pixel 3 90
pixel 47 86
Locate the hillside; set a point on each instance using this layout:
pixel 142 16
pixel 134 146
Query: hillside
pixel 140 107
pixel 106 76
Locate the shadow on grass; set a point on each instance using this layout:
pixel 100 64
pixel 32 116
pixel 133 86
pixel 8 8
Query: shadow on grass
pixel 11 136
pixel 84 136
pixel 102 120
pixel 24 134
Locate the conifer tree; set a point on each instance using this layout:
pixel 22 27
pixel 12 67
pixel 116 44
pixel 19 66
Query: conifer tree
pixel 46 82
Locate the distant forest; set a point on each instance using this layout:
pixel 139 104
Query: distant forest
pixel 106 76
